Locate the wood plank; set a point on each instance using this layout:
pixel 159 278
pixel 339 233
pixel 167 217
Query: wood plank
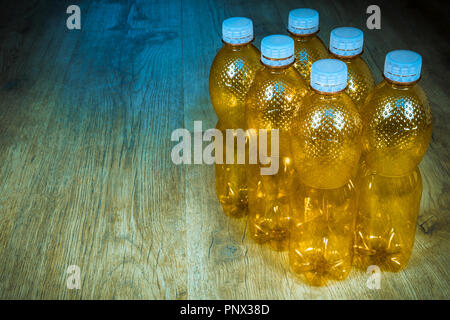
pixel 85 171
pixel 101 192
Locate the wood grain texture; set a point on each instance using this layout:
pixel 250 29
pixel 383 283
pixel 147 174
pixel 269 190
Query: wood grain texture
pixel 85 171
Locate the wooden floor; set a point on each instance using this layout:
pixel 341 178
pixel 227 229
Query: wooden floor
pixel 85 171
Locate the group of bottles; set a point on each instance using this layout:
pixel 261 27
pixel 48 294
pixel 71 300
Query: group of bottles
pixel 348 187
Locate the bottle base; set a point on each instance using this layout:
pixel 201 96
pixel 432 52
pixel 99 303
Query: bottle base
pixel 277 240
pixel 319 271
pixel 232 191
pixel 386 260
pixel 387 219
pixel 237 207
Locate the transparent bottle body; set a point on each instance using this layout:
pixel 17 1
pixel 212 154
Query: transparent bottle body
pixel 308 49
pixel 231 178
pixel 398 125
pixel 360 79
pixel 273 102
pixel 326 147
pixel 231 75
pixel 322 233
pixel 386 220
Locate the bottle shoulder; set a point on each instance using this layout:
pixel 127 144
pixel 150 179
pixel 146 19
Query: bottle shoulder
pixel 274 98
pixel 324 113
pixel 386 91
pixel 358 65
pixel 313 46
pixel 314 98
pixel 247 57
pixel 276 87
pixel 234 67
pixel 312 39
pixel 341 102
pixel 284 79
pixel 362 64
pixel 248 51
pixel 392 102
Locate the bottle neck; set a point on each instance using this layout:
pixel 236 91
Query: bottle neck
pixel 400 85
pixel 345 57
pixel 277 69
pixel 238 47
pixel 303 37
pixel 327 95
pixel 274 63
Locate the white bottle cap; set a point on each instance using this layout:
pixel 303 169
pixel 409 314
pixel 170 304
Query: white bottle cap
pixel 237 30
pixel 277 50
pixel 329 75
pixel 346 41
pixel 403 66
pixel 303 21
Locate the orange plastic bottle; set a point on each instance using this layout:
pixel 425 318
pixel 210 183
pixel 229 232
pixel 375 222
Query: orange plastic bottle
pixel 326 146
pixel 396 136
pixel 231 75
pixel 346 44
pixel 303 27
pixel 273 101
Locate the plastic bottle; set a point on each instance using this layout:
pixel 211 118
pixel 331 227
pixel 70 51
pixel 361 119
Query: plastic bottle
pixel 326 146
pixel 273 102
pixel 396 136
pixel 231 75
pixel 303 27
pixel 346 44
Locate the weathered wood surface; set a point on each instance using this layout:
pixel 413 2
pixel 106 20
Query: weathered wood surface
pixel 85 172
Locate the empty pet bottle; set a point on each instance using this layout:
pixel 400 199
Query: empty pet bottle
pixel 303 27
pixel 231 75
pixel 326 147
pixel 397 132
pixel 273 102
pixel 346 44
